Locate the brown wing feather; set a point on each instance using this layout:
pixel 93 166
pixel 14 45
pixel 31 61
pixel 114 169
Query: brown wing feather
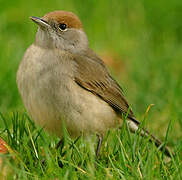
pixel 93 76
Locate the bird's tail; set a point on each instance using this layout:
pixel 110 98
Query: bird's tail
pixel 133 125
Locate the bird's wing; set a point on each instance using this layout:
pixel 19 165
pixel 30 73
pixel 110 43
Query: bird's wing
pixel 92 75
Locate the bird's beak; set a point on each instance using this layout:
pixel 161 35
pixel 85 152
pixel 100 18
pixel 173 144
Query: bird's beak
pixel 39 21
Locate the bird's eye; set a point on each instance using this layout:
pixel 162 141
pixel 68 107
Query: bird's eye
pixel 62 27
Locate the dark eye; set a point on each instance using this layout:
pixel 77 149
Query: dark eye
pixel 62 27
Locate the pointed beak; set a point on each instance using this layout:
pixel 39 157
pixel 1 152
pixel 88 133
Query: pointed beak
pixel 40 22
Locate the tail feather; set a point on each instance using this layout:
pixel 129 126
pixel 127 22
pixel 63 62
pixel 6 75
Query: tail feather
pixel 133 125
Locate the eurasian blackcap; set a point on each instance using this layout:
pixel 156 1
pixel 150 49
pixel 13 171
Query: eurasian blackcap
pixel 62 81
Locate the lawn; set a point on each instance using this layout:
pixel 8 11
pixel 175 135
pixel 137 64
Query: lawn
pixel 141 43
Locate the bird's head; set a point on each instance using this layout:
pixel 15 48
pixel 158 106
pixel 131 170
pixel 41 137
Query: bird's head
pixel 62 30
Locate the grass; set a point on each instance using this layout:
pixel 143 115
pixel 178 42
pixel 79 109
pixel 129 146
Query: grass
pixel 145 39
pixel 33 155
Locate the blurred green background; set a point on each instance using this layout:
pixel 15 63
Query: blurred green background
pixel 141 41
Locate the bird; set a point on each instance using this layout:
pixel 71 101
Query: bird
pixel 64 83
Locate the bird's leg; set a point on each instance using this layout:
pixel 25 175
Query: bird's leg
pixel 59 143
pixel 100 138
